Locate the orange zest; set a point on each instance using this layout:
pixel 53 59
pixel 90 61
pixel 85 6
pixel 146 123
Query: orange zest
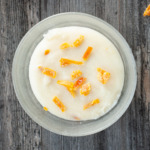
pixel 65 62
pixel 47 52
pixel 147 11
pixel 76 118
pixel 79 82
pixel 65 83
pixel 75 74
pixel 103 76
pixel 68 85
pixel 47 71
pixel 92 103
pixel 57 101
pixel 64 45
pixel 45 108
pixel 87 53
pixel 78 41
pixel 85 89
pixel 41 68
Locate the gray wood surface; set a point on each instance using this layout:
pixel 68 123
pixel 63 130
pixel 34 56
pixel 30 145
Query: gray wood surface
pixel 19 132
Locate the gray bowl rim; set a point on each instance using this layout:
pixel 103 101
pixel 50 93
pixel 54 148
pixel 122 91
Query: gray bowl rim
pixel 118 34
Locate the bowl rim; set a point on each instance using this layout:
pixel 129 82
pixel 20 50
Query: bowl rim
pixel 35 119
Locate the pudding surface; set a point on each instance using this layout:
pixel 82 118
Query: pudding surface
pixel 101 71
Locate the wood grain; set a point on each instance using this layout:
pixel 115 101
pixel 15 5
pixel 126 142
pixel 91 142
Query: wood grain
pixel 19 132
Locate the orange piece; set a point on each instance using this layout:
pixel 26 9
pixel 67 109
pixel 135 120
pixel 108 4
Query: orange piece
pixel 47 52
pixel 59 103
pixel 85 89
pixel 65 62
pixel 76 118
pixel 68 85
pixel 103 76
pixel 92 103
pixel 79 82
pixel 47 71
pixel 45 108
pixel 78 41
pixel 64 45
pixel 87 53
pixel 75 74
pixel 147 11
pixel 41 68
pixel 65 83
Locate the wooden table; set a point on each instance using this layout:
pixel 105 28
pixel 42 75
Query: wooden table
pixel 19 132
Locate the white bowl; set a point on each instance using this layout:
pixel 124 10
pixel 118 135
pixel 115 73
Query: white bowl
pixel 20 75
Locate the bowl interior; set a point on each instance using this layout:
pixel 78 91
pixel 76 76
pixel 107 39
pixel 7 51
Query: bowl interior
pixel 20 74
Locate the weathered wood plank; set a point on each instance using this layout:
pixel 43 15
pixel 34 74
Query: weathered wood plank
pixel 49 7
pixel 19 132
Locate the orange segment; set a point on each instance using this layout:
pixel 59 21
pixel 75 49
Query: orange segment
pixel 75 74
pixel 92 103
pixel 85 89
pixel 65 62
pixel 47 71
pixel 147 11
pixel 79 82
pixel 68 85
pixel 64 45
pixel 45 108
pixel 103 76
pixel 78 41
pixel 59 103
pixel 87 53
pixel 47 52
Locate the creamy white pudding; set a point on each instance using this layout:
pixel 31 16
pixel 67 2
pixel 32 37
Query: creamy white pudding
pixel 102 73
